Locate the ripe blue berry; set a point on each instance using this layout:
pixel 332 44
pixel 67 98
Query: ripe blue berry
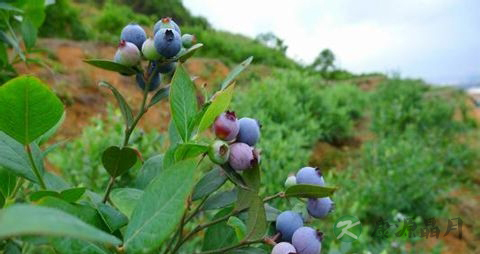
pixel 307 240
pixel 283 248
pixel 319 207
pixel 166 22
pixel 242 156
pixel 249 132
pixel 167 42
pixel 166 68
pixel 127 54
pixel 156 79
pixel 287 223
pixel 188 40
pixel 135 34
pixel 149 51
pixel 219 152
pixel 226 126
pixel 309 175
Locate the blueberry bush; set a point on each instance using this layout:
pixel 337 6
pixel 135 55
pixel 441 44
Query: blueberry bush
pixel 205 187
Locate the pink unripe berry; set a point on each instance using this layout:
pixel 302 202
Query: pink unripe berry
pixel 242 156
pixel 127 54
pixel 226 126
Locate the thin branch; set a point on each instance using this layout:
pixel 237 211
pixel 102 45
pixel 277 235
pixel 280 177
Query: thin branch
pixel 34 168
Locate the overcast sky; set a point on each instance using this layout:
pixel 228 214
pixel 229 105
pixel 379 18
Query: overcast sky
pixel 437 40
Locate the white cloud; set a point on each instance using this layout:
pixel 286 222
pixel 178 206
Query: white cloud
pixel 434 39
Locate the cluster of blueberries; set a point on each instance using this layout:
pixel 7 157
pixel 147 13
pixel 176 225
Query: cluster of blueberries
pixel 243 134
pixel 297 238
pixel 167 43
pixel 237 147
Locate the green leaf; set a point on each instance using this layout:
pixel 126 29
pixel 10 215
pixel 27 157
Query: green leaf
pixel 2 200
pixel 173 135
pixel 161 94
pixel 219 104
pixel 220 200
pixel 14 158
pixel 235 72
pixel 112 218
pixel 76 246
pixel 169 158
pixel 3 55
pixel 256 220
pixel 8 181
pixel 35 11
pixel 183 102
pixel 29 109
pixel 47 135
pixel 309 191
pixel 209 183
pixel 7 7
pixel 125 199
pixel 233 176
pixel 55 182
pixel 150 169
pixel 29 33
pixel 246 196
pixel 7 38
pixel 35 196
pixel 248 250
pixel 118 161
pixel 271 212
pixel 23 219
pixel 160 209
pixel 73 194
pixel 111 66
pixel 186 151
pixel 219 235
pixel 239 227
pixel 189 53
pixel 84 212
pixel 122 103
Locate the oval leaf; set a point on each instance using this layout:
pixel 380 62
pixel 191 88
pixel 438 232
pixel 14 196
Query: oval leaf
pixel 150 169
pixel 125 199
pixel 29 109
pixel 209 183
pixel 160 209
pixel 111 66
pixel 189 53
pixel 73 194
pixel 219 235
pixel 122 103
pixel 117 161
pixel 161 94
pixel 235 72
pixel 219 104
pixel 23 219
pixel 309 191
pixel 256 220
pixel 220 200
pixel 186 151
pixel 183 102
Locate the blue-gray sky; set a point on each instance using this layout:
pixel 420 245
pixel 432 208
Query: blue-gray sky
pixel 437 40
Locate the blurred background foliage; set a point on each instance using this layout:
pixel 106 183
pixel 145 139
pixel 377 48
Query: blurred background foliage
pixel 394 147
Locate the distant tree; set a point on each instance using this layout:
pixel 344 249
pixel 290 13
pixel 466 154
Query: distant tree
pixel 271 40
pixel 324 62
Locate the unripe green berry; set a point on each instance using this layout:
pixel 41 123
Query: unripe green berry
pixel 219 152
pixel 291 180
pixel 149 51
pixel 188 40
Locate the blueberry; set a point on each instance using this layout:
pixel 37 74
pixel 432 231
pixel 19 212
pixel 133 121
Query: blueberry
pixel 188 40
pixel 135 34
pixel 167 42
pixel 149 51
pixel 219 152
pixel 156 79
pixel 291 180
pixel 127 54
pixel 226 126
pixel 283 248
pixel 307 240
pixel 166 22
pixel 309 175
pixel 242 156
pixel 287 222
pixel 249 132
pixel 167 68
pixel 319 207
